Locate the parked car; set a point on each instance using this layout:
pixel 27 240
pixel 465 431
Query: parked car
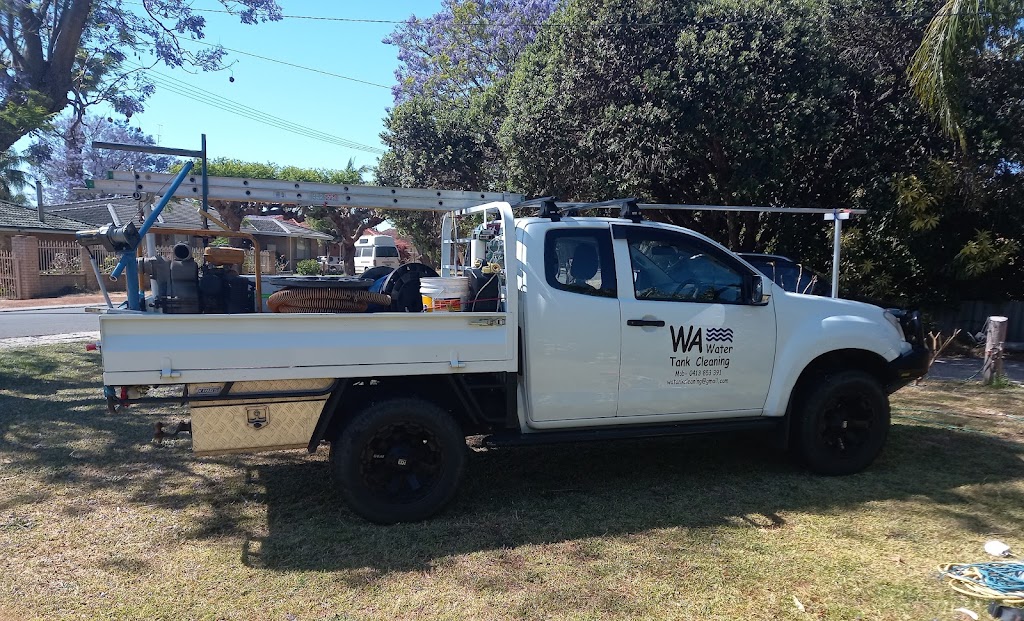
pixel 330 265
pixel 787 273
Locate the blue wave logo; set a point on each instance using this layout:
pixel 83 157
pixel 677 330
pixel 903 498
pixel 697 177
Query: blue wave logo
pixel 718 334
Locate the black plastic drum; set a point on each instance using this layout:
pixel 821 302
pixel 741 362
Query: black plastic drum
pixel 403 285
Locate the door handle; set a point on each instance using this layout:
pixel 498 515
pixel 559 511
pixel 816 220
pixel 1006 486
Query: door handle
pixel 646 322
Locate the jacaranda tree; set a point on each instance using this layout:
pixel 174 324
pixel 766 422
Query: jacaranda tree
pixel 78 53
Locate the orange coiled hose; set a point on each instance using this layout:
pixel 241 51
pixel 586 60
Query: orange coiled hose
pixel 325 301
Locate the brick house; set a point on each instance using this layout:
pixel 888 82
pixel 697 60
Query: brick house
pixel 39 258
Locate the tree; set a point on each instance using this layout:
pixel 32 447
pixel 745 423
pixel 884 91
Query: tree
pixel 432 144
pixel 797 103
pixel 449 97
pixel 348 223
pixel 464 47
pixel 76 53
pixel 64 157
pixel 959 31
pixel 12 177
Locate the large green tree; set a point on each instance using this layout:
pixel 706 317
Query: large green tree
pixel 434 143
pixel 764 102
pixel 449 101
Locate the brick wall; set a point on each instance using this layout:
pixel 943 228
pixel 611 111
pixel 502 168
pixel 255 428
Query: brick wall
pixel 25 249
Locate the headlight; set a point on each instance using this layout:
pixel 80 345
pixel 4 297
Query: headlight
pixel 895 323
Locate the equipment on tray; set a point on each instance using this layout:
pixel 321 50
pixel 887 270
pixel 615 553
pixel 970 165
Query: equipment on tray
pixel 324 295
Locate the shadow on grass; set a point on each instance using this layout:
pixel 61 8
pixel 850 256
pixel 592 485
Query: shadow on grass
pixel 55 429
pixel 516 497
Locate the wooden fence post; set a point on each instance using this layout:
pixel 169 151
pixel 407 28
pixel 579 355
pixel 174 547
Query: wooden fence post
pixel 995 336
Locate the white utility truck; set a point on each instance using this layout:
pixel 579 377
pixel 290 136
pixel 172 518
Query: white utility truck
pixel 599 328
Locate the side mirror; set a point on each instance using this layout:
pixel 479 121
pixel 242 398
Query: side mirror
pixel 756 289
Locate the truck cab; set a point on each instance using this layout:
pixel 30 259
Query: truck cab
pixel 375 251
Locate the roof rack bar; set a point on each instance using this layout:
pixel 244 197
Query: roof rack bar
pixel 534 201
pixel 811 210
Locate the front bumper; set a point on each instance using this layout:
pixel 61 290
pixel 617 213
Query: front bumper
pixel 913 364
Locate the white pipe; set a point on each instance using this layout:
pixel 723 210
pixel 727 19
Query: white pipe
pixel 99 280
pixel 835 253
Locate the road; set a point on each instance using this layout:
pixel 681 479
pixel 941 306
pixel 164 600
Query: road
pixel 970 368
pixel 42 322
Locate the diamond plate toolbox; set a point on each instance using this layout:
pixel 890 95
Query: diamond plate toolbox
pixel 246 425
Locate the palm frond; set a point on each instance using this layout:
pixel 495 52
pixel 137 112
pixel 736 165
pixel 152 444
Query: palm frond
pixel 935 71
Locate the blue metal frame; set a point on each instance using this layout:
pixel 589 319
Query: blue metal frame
pixel 128 263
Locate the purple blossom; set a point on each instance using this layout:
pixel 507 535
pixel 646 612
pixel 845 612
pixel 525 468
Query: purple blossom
pixel 64 158
pixel 465 46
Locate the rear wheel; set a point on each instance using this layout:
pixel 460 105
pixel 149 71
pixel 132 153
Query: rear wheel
pixel 399 460
pixel 842 423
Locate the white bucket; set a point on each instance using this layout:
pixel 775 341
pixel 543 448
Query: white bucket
pixel 442 295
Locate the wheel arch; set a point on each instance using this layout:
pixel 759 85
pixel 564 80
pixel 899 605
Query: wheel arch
pixel 835 361
pixel 450 392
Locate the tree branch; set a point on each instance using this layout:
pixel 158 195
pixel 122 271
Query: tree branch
pixel 170 33
pixel 33 61
pixel 66 44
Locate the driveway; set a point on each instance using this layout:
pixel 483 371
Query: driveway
pixel 970 368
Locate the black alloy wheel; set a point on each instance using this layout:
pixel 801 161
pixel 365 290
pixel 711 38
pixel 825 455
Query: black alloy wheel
pixel 841 423
pixel 399 460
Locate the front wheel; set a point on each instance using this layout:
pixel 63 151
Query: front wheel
pixel 842 423
pixel 399 460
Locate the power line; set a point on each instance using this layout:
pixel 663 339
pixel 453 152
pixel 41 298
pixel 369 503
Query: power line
pixel 309 17
pixel 228 105
pixel 297 66
pixel 241 108
pixel 693 22
pixel 267 120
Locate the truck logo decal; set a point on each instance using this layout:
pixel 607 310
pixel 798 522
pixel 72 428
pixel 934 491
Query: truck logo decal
pixel 720 334
pixel 713 356
pixel 684 342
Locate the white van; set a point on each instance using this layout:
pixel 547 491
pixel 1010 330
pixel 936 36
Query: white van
pixel 374 251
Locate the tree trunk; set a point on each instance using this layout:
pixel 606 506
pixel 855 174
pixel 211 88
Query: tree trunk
pixel 995 337
pixel 44 81
pixel 348 255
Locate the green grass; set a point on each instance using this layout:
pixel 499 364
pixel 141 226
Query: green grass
pixel 98 522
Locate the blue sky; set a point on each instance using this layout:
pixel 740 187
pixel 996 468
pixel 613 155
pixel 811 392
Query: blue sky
pixel 331 105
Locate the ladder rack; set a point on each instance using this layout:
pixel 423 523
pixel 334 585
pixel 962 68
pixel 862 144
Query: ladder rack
pixel 298 192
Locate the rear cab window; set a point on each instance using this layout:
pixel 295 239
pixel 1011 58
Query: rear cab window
pixel 580 261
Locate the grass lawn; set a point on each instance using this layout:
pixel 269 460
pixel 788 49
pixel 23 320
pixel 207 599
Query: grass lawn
pixel 98 522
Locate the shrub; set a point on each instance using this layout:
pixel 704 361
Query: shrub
pixel 308 267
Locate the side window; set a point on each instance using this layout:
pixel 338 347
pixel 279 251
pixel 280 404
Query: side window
pixel 676 267
pixel 580 261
